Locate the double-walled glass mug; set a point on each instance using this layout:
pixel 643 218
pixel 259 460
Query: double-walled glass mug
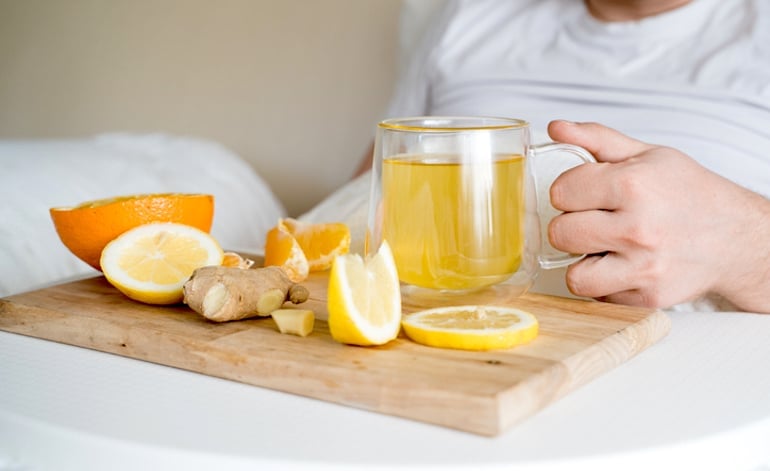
pixel 456 198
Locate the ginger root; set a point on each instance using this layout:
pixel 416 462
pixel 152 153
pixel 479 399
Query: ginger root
pixel 229 293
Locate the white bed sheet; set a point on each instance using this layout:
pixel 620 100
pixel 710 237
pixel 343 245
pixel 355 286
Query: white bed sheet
pixel 36 175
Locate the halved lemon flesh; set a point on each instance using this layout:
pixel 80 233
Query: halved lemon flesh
pixel 151 262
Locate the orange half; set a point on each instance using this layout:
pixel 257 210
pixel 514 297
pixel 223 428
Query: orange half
pixel 87 228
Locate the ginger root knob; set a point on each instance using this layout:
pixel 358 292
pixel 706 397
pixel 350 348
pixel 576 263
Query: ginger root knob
pixel 225 294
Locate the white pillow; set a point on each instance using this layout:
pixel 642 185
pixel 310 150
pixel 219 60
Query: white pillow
pixel 39 174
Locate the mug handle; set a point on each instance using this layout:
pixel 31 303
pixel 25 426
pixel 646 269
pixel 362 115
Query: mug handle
pixel 549 261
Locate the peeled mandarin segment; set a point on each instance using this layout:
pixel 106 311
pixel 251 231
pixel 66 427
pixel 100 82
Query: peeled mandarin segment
pixel 364 299
pixel 150 263
pixel 283 250
pixel 320 242
pixel 87 228
pixel 471 327
pixel 232 259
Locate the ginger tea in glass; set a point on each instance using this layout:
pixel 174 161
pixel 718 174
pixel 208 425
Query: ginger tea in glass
pixel 456 199
pixel 454 224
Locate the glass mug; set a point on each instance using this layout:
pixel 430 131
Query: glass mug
pixel 456 198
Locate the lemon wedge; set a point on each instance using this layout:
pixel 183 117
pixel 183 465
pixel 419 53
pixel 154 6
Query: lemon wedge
pixel 364 298
pixel 471 327
pixel 151 262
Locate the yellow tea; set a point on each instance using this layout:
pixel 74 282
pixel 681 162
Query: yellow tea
pixel 452 225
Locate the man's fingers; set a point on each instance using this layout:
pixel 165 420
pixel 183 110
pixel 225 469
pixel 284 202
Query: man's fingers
pixel 612 278
pixel 632 297
pixel 586 187
pixel 584 232
pixel 606 144
pixel 607 211
pixel 596 276
pixel 604 185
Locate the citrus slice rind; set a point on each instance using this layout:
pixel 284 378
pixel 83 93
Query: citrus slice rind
pixel 471 327
pixel 364 299
pixel 150 263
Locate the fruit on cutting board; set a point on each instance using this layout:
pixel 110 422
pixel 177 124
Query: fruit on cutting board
pixel 364 298
pixel 301 247
pixel 320 242
pixel 87 228
pixel 230 293
pixel 282 250
pixel 151 262
pixel 471 327
pixel 294 321
pixel 232 259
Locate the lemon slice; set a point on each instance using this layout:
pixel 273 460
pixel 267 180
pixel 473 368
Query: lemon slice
pixel 364 299
pixel 151 262
pixel 471 327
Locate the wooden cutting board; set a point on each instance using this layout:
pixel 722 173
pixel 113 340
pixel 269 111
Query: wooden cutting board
pixel 479 392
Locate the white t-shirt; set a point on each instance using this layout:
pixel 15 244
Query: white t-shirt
pixel 696 78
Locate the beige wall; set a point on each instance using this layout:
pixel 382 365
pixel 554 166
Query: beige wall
pixel 294 86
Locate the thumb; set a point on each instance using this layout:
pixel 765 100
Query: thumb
pixel 606 144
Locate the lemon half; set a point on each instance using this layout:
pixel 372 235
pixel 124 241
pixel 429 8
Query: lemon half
pixel 471 327
pixel 364 298
pixel 151 262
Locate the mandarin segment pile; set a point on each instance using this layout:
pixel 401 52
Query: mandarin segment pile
pixel 282 250
pixel 320 242
pixel 300 248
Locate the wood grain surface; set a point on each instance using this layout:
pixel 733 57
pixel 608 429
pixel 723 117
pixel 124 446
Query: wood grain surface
pixel 479 392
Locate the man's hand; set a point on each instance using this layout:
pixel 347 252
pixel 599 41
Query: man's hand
pixel 663 229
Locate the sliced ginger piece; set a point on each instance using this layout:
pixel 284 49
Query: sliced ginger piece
pixel 294 321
